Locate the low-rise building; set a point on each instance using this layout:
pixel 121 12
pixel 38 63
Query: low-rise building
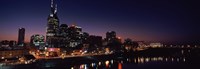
pixel 156 45
pixel 12 53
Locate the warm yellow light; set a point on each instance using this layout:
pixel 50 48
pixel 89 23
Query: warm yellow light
pixel 119 37
pixel 107 63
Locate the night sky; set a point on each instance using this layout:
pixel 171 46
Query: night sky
pixel 148 20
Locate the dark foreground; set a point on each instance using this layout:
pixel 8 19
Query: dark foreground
pixel 172 58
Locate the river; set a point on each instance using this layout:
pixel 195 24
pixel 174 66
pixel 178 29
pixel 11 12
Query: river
pixel 149 59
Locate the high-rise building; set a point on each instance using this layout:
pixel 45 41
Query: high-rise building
pixel 21 36
pixel 85 37
pixel 52 27
pixel 95 41
pixel 75 35
pixel 110 36
pixel 64 30
pixel 63 36
pixel 37 41
pixel 74 32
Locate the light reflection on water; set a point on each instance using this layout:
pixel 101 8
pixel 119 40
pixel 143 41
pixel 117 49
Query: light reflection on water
pixel 164 59
pixel 119 63
pixel 116 62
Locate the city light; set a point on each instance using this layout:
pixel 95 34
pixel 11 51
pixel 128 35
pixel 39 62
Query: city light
pixel 102 35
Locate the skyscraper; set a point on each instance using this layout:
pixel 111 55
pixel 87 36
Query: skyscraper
pixel 61 35
pixel 64 30
pixel 111 35
pixel 37 41
pixel 75 35
pixel 52 26
pixel 64 39
pixel 21 36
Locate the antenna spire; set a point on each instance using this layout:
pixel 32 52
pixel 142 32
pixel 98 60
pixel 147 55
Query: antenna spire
pixel 52 4
pixel 55 10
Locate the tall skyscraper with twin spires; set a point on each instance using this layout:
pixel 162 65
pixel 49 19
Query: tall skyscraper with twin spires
pixel 57 35
pixel 52 30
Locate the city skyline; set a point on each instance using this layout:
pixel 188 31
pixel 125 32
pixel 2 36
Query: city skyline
pixel 149 20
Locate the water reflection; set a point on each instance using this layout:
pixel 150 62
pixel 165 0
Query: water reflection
pixel 166 59
pixel 115 62
pixel 107 64
pixel 118 63
pixel 121 61
pixel 99 63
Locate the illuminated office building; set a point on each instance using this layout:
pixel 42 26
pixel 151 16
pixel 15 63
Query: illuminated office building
pixel 21 35
pixel 110 37
pixel 58 36
pixel 52 30
pixel 37 41
pixel 74 35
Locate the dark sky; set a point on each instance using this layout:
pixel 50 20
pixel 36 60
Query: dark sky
pixel 149 20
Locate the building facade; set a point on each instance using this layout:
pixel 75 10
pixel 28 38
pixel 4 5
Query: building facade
pixel 110 36
pixel 37 41
pixel 12 53
pixel 21 36
pixel 52 30
pixel 8 44
pixel 59 36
